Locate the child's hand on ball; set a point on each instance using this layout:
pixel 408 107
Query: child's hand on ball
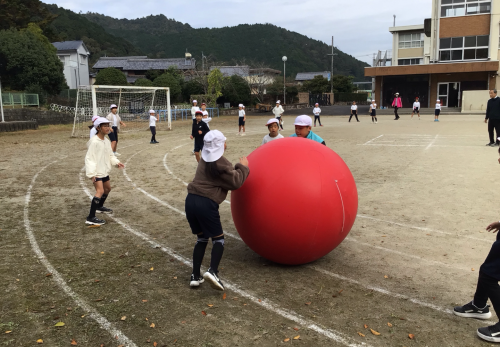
pixel 493 227
pixel 244 161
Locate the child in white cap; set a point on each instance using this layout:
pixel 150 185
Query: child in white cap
pixel 278 112
pixel 317 113
pixel 194 109
pixel 206 118
pixel 214 177
pixel 303 129
pixel 241 120
pixel 92 128
pixel 373 111
pixel 198 132
pixel 437 111
pixel 416 108
pixel 354 111
pixel 153 118
pixel 274 134
pixel 98 162
pixel 115 122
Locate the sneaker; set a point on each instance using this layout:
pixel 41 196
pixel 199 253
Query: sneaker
pixel 491 333
pixel 104 210
pixel 491 144
pixel 376 121
pixel 315 125
pixel 320 125
pixel 152 142
pixel 117 154
pixel 195 282
pixel 213 279
pixel 472 311
pixel 243 134
pixel 156 141
pixel 95 221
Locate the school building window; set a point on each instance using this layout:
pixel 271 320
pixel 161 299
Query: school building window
pixel 411 40
pixel 454 8
pixel 464 48
pixel 412 61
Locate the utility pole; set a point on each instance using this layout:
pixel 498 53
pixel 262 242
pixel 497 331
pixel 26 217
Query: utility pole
pixel 331 73
pixel 284 78
pixel 394 20
pixel 1 103
pixel 202 61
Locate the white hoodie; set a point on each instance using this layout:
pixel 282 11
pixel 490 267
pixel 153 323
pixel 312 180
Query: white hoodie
pixel 99 158
pixel 316 111
pixel 278 111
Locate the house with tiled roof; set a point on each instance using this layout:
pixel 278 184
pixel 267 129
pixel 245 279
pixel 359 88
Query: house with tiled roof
pixel 135 67
pixel 74 55
pixel 307 76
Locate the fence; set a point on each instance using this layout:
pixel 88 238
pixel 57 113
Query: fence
pixel 321 99
pixel 350 97
pixel 22 99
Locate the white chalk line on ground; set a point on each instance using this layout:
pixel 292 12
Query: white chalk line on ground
pixel 383 291
pixel 268 305
pixel 366 143
pixel 56 276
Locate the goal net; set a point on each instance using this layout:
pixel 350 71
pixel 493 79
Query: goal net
pixel 133 105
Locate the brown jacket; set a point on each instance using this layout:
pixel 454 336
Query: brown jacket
pixel 216 189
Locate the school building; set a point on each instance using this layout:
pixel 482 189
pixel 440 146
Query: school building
pixel 455 50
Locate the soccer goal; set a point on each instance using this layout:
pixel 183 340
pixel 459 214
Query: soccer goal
pixel 133 104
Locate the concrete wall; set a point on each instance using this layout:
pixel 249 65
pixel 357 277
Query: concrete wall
pixel 41 117
pixel 410 53
pixel 465 26
pixel 475 101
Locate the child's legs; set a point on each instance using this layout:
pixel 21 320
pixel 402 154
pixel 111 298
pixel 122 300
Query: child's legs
pixel 106 187
pixel 99 188
pixel 202 241
pixel 319 120
pixel 197 155
pixel 487 287
pixel 356 115
pixel 349 118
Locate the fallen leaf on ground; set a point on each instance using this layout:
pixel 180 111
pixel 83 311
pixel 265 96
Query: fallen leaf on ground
pixel 296 329
pixel 411 336
pixel 152 325
pixel 389 325
pixel 102 252
pixel 203 313
pixel 151 269
pixel 97 281
pixel 123 318
pixel 59 324
pixel 73 342
pixel 376 333
pixel 94 226
pixel 39 341
pixel 340 291
pixel 308 303
pixel 155 344
pixel 175 277
pixel 472 269
pixel 366 326
pixel 183 322
pixel 286 340
pixel 210 305
pixel 83 316
pixel 224 296
pixel 260 300
pixel 385 276
pixel 144 301
pixel 48 275
pixel 360 334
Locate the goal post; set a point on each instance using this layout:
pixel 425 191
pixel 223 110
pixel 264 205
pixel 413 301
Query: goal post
pixel 133 105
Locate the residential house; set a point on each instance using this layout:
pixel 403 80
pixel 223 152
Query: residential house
pixel 307 76
pixel 455 50
pixel 257 78
pixel 135 67
pixel 75 57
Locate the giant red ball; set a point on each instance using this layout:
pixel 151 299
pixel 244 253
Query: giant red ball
pixel 298 203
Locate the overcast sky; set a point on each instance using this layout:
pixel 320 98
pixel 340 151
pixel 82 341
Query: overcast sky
pixel 360 27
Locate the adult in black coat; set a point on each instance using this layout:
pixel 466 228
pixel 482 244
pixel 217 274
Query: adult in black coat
pixel 493 118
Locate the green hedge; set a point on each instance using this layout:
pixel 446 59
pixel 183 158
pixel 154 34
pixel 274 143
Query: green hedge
pixel 349 97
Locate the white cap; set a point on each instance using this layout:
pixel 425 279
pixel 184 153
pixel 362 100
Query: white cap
pixel 195 101
pixel 278 102
pixel 113 106
pixel 316 104
pixel 397 93
pixel 240 105
pixel 438 100
pixel 271 121
pixel 243 106
pixel 213 147
pixel 94 118
pixel 152 111
pixel 99 121
pixel 303 121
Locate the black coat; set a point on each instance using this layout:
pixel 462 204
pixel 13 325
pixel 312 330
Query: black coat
pixel 198 138
pixel 493 109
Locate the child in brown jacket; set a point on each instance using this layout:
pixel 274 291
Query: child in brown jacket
pixel 214 177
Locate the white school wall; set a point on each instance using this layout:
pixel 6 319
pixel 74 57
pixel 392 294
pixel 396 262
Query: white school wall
pixel 475 101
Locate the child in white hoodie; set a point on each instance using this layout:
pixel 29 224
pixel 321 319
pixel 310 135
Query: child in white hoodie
pixel 317 113
pixel 98 162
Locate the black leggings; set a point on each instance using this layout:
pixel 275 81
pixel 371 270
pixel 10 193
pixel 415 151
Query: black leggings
pixel 355 114
pixel 396 112
pixel 316 118
pixel 494 125
pixel 487 287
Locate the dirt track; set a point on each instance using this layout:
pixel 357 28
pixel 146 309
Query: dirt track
pixel 426 193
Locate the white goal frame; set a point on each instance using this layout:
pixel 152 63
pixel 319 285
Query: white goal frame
pixel 95 110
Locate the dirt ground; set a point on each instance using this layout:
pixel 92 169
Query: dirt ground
pixel 426 194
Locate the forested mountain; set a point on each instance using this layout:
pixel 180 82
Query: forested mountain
pixel 161 37
pixel 69 26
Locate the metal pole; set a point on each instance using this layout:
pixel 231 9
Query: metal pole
pixel 284 81
pixel 331 76
pixel 1 103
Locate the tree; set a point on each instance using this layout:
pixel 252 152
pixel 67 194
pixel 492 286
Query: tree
pixel 192 87
pixel 26 60
pixel 19 13
pixel 170 81
pixel 111 77
pixel 215 83
pixel 318 85
pixel 235 90
pixel 143 82
pixel 153 74
pixel 343 84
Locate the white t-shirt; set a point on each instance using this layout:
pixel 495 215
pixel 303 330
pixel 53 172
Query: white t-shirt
pixel 152 121
pixel 268 138
pixel 205 113
pixel 241 113
pixel 438 106
pixel 193 111
pixel 93 132
pixel 115 120
pixel 373 106
pixel 206 120
pixel 416 104
pixel 278 111
pixel 316 111
pixel 354 107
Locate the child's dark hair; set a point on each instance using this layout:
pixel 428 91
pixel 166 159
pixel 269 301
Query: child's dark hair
pixel 211 170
